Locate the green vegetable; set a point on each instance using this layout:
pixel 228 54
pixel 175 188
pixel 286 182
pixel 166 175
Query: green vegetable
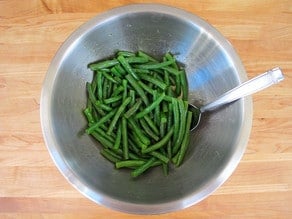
pixel 137 110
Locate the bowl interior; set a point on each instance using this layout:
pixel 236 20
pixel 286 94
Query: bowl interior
pixel 212 68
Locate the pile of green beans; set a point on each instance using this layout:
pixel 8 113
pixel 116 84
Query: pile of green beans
pixel 137 110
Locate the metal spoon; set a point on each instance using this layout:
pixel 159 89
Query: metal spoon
pixel 249 87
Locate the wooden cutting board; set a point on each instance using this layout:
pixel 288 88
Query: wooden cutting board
pixel 30 184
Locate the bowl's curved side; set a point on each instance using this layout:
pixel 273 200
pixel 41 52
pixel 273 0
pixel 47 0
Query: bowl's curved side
pixel 52 142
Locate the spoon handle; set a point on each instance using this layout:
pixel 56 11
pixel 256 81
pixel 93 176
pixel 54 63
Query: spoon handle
pixel 249 87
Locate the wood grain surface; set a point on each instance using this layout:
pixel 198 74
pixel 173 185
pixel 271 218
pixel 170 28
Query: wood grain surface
pixel 31 31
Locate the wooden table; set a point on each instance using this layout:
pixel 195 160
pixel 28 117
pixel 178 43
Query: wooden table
pixel 30 184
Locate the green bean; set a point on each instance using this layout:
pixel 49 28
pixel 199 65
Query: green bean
pixel 103 106
pixel 171 70
pixel 115 72
pixel 141 71
pixel 134 136
pixel 118 90
pixel 134 59
pixel 103 141
pixel 132 95
pixel 163 123
pixel 160 156
pixel 109 156
pixel 186 139
pixel 138 131
pixel 125 53
pixel 88 114
pixel 151 124
pixel 99 85
pixel 165 169
pixel 109 77
pixel 101 121
pixel 113 99
pixel 150 107
pixel 169 125
pixel 154 81
pixel 105 135
pixel 146 87
pixel 137 87
pixel 120 69
pixel 150 58
pixel 94 83
pixel 91 95
pixel 159 144
pixel 125 82
pixel 156 110
pixel 129 163
pixel 127 67
pixel 133 109
pixel 113 153
pixel 155 65
pixel 125 138
pixel 182 123
pixel 141 169
pixel 175 119
pixel 184 85
pixel 103 64
pixel 177 85
pixel 118 138
pixel 118 114
pixel 105 88
pixel 148 130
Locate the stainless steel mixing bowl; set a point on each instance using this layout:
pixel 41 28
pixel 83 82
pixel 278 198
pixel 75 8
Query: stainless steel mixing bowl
pixel 212 67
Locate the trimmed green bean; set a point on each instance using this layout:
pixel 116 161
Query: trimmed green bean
pixel 171 70
pixel 175 119
pixel 101 121
pixel 186 139
pixel 151 124
pixel 143 54
pixel 103 64
pixel 109 156
pixel 154 81
pixel 103 141
pixel 88 114
pixel 125 138
pixel 146 87
pixel 133 109
pixel 155 65
pixel 129 163
pixel 103 106
pixel 160 156
pixel 137 87
pixel 109 77
pixel 99 85
pixel 134 59
pixel 184 86
pixel 125 53
pixel 91 95
pixel 127 67
pixel 118 114
pixel 148 130
pixel 150 107
pixel 118 138
pixel 182 123
pixel 159 144
pixel 132 95
pixel 138 131
pixel 113 99
pixel 137 172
